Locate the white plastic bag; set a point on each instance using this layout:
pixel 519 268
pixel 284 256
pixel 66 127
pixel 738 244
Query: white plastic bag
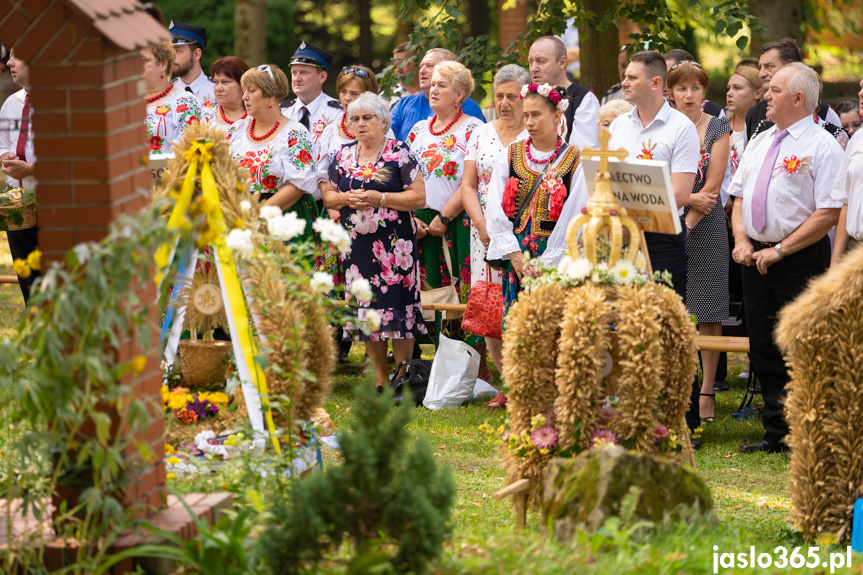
pixel 483 389
pixel 453 374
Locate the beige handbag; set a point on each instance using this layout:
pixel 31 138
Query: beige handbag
pixel 447 294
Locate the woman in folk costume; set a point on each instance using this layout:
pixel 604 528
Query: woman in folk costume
pixel 536 188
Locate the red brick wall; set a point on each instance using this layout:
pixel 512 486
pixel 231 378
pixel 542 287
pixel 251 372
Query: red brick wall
pixel 89 137
pixel 511 23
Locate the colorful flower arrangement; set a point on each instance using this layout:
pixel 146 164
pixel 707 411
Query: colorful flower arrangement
pixel 191 407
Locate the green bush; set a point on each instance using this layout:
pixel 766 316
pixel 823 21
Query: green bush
pixel 387 499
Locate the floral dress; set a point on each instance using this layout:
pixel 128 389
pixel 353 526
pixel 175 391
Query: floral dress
pixel 289 159
pixel 167 120
pixel 483 148
pixel 384 243
pixel 441 160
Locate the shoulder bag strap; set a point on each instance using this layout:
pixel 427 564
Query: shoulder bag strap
pixel 529 197
pixel 447 257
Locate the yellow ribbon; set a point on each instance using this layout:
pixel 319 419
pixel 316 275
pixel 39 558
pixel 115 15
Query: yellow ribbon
pixel 199 153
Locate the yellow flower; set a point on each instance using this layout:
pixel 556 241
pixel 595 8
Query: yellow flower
pixel 177 402
pixel 239 223
pixel 34 260
pixel 174 460
pixel 169 449
pixel 537 421
pixel 21 268
pixel 170 476
pixel 138 364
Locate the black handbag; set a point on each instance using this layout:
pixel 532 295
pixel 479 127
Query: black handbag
pixel 415 378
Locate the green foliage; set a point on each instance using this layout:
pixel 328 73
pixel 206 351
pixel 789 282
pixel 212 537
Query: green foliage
pixel 71 390
pixel 385 493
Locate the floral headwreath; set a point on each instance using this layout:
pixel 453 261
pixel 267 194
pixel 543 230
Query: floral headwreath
pixel 552 93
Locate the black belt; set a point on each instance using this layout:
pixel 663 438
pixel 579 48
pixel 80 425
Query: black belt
pixel 762 245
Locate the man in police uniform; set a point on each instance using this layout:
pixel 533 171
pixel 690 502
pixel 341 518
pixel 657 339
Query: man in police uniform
pixel 189 42
pixel 616 91
pixel 311 108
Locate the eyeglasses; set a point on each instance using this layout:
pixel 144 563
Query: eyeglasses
pixel 365 118
pixel 682 62
pixel 266 68
pixel 359 72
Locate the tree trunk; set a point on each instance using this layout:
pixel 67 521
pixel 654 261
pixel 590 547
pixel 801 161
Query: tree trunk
pixel 479 22
pixel 365 17
pixel 780 19
pixel 250 38
pixel 598 50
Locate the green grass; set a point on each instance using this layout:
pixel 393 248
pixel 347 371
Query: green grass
pixel 752 505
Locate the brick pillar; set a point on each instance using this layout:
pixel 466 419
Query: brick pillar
pixel 511 23
pixel 89 136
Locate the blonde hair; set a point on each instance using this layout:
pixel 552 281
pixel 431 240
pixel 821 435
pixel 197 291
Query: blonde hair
pixel 457 75
pixel 163 53
pixel 277 86
pixel 613 108
pixel 752 78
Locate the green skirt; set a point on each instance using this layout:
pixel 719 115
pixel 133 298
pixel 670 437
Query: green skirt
pixel 307 209
pixel 433 270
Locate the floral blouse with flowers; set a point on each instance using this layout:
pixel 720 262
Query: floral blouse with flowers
pixel 384 247
pixel 167 120
pixel 288 159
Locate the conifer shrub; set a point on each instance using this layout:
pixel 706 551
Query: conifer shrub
pixel 386 499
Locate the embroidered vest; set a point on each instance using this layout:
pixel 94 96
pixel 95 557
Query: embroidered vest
pixel 538 213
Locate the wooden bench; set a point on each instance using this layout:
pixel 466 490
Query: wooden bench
pixel 704 342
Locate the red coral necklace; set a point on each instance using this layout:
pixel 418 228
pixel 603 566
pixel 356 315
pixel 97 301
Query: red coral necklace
pixel 159 95
pixel 548 159
pixel 448 126
pixel 344 128
pixel 265 136
pixel 225 118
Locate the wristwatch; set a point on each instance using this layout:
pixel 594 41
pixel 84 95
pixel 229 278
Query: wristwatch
pixel 444 220
pixel 383 199
pixel 778 248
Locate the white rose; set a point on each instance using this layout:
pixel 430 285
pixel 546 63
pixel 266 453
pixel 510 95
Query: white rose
pixel 362 289
pixel 322 282
pixel 373 320
pixel 333 233
pixel 544 90
pixel 286 227
pixel 245 205
pixel 270 212
pixel 240 241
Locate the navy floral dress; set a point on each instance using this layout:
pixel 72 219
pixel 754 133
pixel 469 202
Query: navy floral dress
pixel 384 243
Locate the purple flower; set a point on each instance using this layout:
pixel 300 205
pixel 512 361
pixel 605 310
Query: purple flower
pixel 544 437
pixel 200 408
pixel 606 414
pixel 660 433
pixel 603 438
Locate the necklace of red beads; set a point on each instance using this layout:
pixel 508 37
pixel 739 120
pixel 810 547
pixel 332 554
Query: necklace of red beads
pixel 345 129
pixel 447 127
pixel 265 136
pixel 548 159
pixel 225 118
pixel 159 95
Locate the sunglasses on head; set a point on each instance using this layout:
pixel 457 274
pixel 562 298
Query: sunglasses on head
pixel 356 71
pixel 266 68
pixel 682 62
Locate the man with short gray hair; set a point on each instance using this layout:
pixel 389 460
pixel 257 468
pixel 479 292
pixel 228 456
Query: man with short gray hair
pixel 782 213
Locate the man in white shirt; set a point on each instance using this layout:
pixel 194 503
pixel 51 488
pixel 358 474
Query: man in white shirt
pixel 782 213
pixel 848 189
pixel 547 65
pixel 189 42
pixel 18 159
pixel 653 130
pixel 312 108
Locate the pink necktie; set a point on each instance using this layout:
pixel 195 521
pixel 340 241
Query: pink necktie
pixel 759 196
pixel 23 129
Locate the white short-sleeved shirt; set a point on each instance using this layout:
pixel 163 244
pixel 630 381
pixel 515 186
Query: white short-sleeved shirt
pixel 803 177
pixel 671 137
pixel 323 111
pixel 10 131
pixel 848 187
pixel 203 89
